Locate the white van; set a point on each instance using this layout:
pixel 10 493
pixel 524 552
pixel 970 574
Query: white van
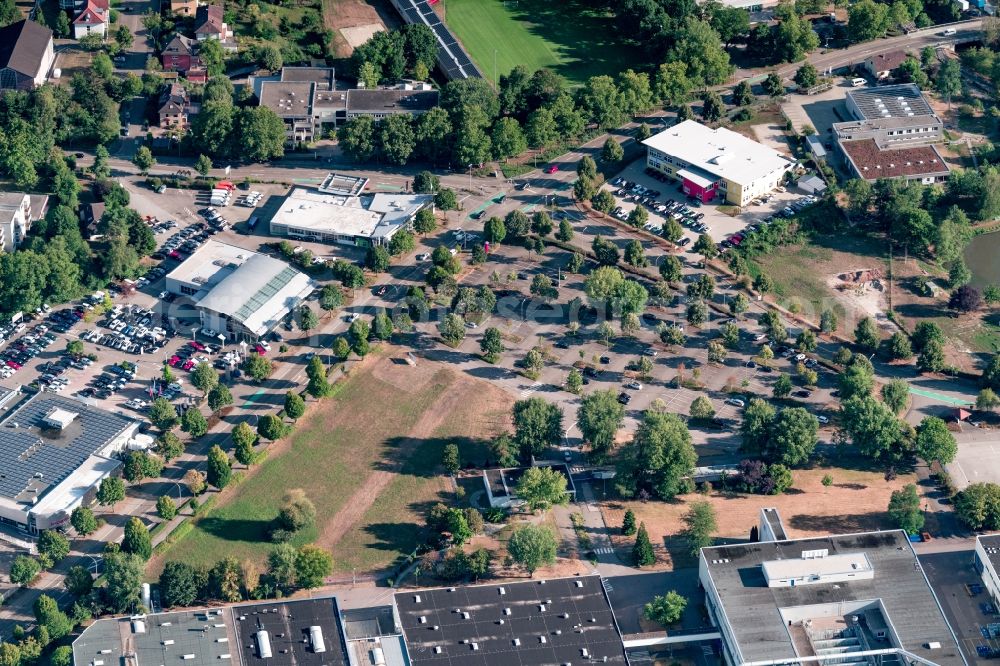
pixel 949 32
pixel 858 82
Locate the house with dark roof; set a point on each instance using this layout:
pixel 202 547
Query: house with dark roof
pixel 881 65
pixel 92 19
pixel 210 23
pixel 26 55
pixel 180 55
pixel 90 217
pixel 175 109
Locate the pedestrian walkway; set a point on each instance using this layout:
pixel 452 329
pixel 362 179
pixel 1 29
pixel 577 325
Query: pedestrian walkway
pixel 947 399
pixel 604 551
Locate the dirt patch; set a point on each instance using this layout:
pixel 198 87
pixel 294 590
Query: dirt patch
pixel 771 135
pixel 354 21
pixel 855 502
pixel 861 290
pixel 358 35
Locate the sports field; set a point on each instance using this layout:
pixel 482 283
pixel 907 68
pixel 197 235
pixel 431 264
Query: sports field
pixel 565 36
pixel 368 458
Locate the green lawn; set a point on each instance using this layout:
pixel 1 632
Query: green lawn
pixel 564 36
pixel 332 454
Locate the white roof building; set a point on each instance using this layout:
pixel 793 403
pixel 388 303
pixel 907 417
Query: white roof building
pixel 208 266
pixel 335 216
pixel 252 299
pixel 738 167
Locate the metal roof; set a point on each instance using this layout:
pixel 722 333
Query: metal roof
pixel 197 637
pixel 258 293
pixel 900 101
pixel 555 621
pixel 287 624
pixel 35 457
pixel 753 609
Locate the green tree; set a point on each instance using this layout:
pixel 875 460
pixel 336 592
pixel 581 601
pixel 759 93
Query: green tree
pixel 143 159
pixel 136 540
pixel 178 584
pixel 79 582
pixel 318 386
pixel 792 437
pixel 491 344
pixel 642 550
pixel 978 506
pixel 258 367
pixel 219 397
pixel 297 511
pixel 532 546
pixel 204 377
pixel 271 427
pixel 699 526
pixel 193 422
pixel 542 487
pixel 295 406
pixel 203 164
pixel 312 566
pixel 220 469
pixel 701 48
pixel 83 521
pixel 659 457
pixel 123 574
pixel 866 334
pixel 705 246
pixel 537 425
pixel 896 394
pixel 359 332
pixel 948 81
pixel 24 570
pixel 873 428
pixel 508 139
pixel 628 523
pixel 53 545
pixel 162 414
pixel 111 491
pixel 612 151
pixel 935 443
pixel 701 408
pixel 331 297
pixel 450 459
pixel 931 358
pixel 806 76
pixel 665 609
pixel 452 329
pixel 782 386
pixel 828 321
pixel 867 20
pixel 987 399
pixel 599 417
pixel 166 508
pixel 904 509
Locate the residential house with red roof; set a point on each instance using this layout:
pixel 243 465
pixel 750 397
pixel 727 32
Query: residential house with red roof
pixel 92 19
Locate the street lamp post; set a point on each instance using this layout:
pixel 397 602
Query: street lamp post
pixel 470 177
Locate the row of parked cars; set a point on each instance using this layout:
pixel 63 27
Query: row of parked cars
pixel 110 382
pixel 21 350
pixel 52 374
pixel 131 329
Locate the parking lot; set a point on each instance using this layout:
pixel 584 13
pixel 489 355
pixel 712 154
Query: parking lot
pixel 694 218
pixel 968 608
